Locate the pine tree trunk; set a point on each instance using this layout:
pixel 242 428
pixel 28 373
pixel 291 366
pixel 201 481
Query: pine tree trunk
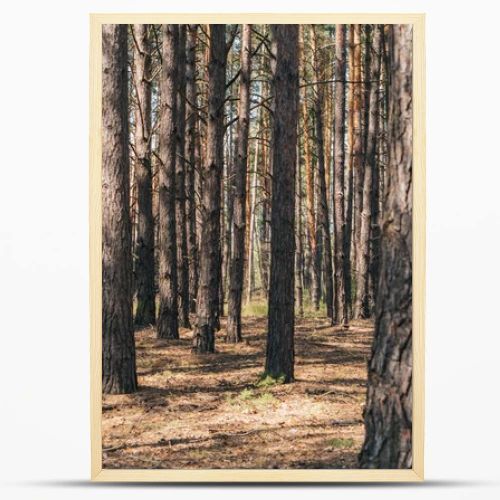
pixel 180 184
pixel 357 157
pixel 144 268
pixel 118 349
pixel 361 307
pixel 280 338
pixel 299 253
pixel 340 251
pixel 210 262
pixel 388 413
pixel 348 177
pixel 168 315
pixel 190 155
pixel 323 200
pixel 237 260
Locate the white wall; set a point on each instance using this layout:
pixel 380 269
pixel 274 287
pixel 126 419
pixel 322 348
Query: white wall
pixel 44 248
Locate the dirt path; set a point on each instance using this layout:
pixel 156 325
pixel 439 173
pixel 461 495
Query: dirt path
pixel 208 412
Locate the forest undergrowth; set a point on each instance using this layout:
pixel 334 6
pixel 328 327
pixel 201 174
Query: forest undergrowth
pixel 218 411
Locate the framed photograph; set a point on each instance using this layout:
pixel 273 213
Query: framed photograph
pixel 257 247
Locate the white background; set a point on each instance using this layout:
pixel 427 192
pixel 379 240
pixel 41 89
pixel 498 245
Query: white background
pixel 44 350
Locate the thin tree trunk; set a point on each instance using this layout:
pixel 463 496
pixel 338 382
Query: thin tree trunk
pixel 180 185
pixel 323 201
pixel 341 256
pixel 280 338
pixel 361 309
pixel 190 155
pixel 144 266
pixel 251 233
pixel 357 155
pixel 348 178
pixel 210 262
pixel 388 413
pixel 237 261
pixel 118 349
pixel 299 253
pixel 168 327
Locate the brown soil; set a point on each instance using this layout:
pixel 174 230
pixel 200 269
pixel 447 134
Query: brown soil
pixel 207 411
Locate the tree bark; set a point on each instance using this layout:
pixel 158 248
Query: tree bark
pixel 237 258
pixel 210 262
pixel 180 184
pixel 361 306
pixel 280 338
pixel 190 155
pixel 357 155
pixel 388 413
pixel 168 316
pixel 118 349
pixel 341 255
pixel 144 266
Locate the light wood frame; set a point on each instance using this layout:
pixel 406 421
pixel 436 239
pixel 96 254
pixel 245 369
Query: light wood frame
pixel 256 475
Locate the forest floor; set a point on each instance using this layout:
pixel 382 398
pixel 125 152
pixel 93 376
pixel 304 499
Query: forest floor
pixel 211 412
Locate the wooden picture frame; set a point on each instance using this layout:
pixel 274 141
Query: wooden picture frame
pixel 246 475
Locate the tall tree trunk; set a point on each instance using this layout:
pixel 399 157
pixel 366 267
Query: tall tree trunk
pixel 168 327
pixel 144 268
pixel 118 349
pixel 251 231
pixel 341 256
pixel 210 262
pixel 237 258
pixel 388 413
pixel 323 201
pixel 280 338
pixel 311 184
pixel 180 184
pixel 361 308
pixel 357 154
pixel 299 252
pixel 348 178
pixel 190 155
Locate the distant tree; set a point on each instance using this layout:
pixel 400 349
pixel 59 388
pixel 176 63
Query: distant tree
pixel 280 338
pixel 323 215
pixel 237 257
pixel 341 255
pixel 361 306
pixel 168 326
pixel 210 261
pixel 144 266
pixel 118 350
pixel 388 412
pixel 180 187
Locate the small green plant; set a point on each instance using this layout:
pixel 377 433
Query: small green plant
pixel 267 380
pixel 341 443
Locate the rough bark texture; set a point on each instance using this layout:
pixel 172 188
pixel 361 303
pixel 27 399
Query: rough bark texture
pixel 180 188
pixel 144 266
pixel 190 155
pixel 210 262
pixel 118 349
pixel 237 257
pixel 388 413
pixel 339 223
pixel 361 306
pixel 168 315
pixel 280 339
pixel 357 154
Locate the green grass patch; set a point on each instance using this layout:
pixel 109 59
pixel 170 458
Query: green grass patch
pixel 341 443
pixel 266 380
